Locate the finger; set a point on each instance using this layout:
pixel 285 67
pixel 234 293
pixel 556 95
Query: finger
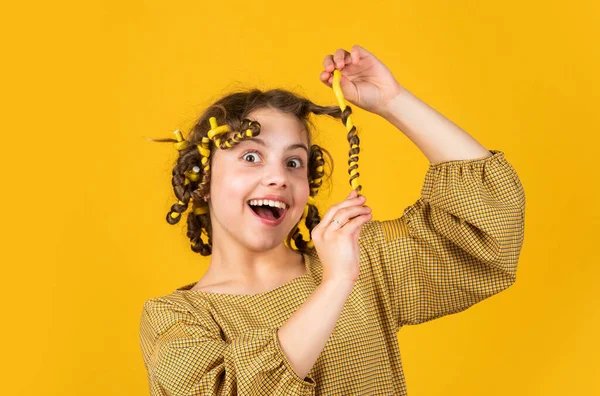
pixel 325 78
pixel 328 63
pixel 362 53
pixel 354 225
pixel 346 214
pixel 333 211
pixel 347 60
pixel 355 55
pixel 343 215
pixel 347 202
pixel 340 56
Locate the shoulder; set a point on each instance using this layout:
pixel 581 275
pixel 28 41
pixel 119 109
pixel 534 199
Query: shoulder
pixel 213 285
pixel 230 287
pixel 164 312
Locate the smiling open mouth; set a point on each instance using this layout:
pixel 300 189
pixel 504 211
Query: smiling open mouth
pixel 267 212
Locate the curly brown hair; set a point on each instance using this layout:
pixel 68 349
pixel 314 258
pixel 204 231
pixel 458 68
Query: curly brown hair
pixel 232 110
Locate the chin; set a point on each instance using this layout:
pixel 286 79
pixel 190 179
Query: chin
pixel 263 248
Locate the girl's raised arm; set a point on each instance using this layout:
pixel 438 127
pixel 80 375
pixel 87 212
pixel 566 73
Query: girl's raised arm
pixel 367 83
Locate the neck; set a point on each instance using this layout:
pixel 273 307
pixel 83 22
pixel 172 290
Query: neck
pixel 235 262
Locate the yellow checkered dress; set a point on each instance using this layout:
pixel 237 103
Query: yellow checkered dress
pixel 458 244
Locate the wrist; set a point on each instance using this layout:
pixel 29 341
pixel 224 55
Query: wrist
pixel 389 102
pixel 339 282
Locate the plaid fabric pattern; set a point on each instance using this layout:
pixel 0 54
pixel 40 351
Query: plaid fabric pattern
pixel 458 244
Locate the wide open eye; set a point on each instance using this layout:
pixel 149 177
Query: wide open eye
pixel 299 162
pixel 249 155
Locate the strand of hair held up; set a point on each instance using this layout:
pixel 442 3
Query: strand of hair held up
pixel 352 134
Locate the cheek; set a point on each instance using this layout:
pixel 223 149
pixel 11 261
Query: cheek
pixel 303 179
pixel 231 188
pixel 300 181
pixel 304 188
pixel 227 196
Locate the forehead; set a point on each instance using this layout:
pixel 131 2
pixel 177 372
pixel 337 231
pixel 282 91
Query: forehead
pixel 277 125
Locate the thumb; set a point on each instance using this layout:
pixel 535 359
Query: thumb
pixel 358 52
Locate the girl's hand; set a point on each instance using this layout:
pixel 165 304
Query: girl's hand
pixel 337 246
pixel 366 82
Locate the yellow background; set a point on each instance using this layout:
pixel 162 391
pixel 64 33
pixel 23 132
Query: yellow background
pixel 84 196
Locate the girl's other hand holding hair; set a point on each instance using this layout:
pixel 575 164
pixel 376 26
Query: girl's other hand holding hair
pixel 337 246
pixel 366 82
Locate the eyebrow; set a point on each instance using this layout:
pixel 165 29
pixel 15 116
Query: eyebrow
pixel 290 147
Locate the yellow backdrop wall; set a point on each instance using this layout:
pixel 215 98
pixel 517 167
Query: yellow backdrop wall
pixel 84 237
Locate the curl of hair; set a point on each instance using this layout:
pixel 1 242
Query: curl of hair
pixel 316 174
pixel 353 153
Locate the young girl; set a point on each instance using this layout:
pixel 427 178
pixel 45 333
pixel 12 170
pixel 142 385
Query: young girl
pixel 282 313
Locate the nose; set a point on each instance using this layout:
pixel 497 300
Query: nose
pixel 275 175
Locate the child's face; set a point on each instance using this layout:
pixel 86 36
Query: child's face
pixel 239 175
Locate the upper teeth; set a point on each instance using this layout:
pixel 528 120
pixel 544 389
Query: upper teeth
pixel 260 202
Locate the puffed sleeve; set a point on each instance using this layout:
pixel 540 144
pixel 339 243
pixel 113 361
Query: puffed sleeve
pixel 184 354
pixel 458 244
